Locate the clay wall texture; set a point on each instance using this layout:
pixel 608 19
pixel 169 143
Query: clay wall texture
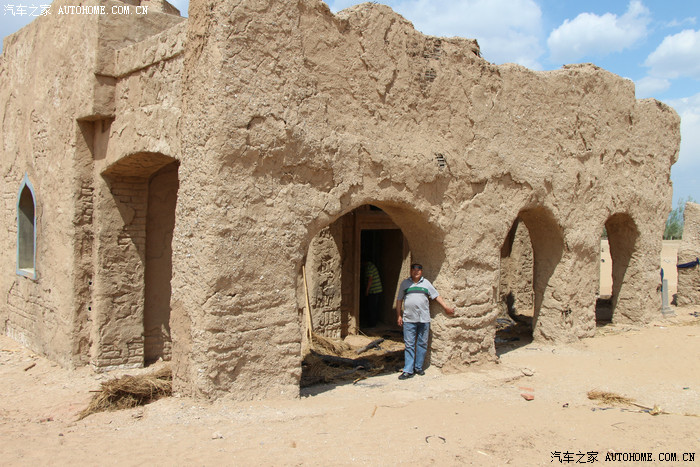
pixel 516 292
pixel 689 251
pixel 57 87
pixel 43 89
pixel 324 280
pixel 273 121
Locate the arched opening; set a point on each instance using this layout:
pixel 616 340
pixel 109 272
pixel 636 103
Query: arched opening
pixel 26 231
pixel 341 317
pixel 135 258
pixel 516 293
pixel 529 255
pixel 603 305
pixel 342 257
pixel 616 254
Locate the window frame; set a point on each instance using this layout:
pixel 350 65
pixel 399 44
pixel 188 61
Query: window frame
pixel 29 272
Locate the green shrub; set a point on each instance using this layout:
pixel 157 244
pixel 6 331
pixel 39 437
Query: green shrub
pixel 674 223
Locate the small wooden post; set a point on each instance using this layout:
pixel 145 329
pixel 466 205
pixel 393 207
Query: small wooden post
pixel 309 325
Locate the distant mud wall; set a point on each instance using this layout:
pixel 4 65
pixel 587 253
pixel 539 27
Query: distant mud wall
pixel 689 251
pixel 324 273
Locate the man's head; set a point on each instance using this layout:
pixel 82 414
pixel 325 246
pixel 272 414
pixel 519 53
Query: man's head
pixel 416 271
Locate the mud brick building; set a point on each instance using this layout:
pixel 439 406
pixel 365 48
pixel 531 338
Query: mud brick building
pixel 165 180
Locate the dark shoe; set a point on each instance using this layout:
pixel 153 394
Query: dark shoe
pixel 420 372
pixel 405 375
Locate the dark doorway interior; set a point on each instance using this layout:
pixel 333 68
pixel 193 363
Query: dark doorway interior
pixel 384 248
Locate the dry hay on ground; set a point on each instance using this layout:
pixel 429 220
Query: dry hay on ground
pixel 610 398
pixel 606 397
pixel 130 391
pixel 328 346
pixel 335 361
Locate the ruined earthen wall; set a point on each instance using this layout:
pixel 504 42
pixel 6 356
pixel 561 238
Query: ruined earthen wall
pixel 348 323
pixel 689 250
pixel 303 116
pixel 119 333
pixel 283 118
pixel 162 198
pixel 147 97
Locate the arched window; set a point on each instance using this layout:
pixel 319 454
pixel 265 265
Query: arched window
pixel 26 230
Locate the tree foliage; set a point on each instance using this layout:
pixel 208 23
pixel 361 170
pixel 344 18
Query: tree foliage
pixel 674 223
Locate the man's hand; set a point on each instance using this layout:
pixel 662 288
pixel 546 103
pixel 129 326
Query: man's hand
pixel 399 315
pixel 450 310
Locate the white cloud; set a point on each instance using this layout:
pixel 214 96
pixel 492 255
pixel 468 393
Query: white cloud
pixel 677 55
pixel 507 30
pixel 689 110
pixel 592 35
pixel 678 23
pixel 686 172
pixel 649 86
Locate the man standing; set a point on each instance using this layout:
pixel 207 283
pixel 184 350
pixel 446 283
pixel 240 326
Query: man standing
pixel 415 294
pixel 373 293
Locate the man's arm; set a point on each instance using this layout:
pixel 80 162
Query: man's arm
pixel 399 316
pixel 448 309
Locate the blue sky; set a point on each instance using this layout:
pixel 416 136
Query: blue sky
pixel 655 43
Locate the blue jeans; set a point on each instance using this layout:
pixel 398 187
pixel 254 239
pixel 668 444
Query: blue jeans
pixel 415 337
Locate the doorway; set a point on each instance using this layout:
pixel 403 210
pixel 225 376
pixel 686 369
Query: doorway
pixel 382 253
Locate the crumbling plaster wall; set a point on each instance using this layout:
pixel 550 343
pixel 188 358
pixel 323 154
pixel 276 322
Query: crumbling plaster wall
pixel 284 118
pixel 689 251
pixel 293 117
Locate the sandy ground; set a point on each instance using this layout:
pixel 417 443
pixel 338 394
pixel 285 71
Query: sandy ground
pixel 479 417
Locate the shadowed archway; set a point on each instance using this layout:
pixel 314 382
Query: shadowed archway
pixel 529 255
pixel 135 260
pixel 622 236
pixel 336 283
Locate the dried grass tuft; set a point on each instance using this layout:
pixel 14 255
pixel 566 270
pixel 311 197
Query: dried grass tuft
pixel 606 397
pixel 130 391
pixel 350 366
pixel 328 346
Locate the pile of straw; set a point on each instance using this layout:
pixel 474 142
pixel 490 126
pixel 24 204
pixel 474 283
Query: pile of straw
pixel 130 391
pixel 327 346
pixel 315 370
pixel 605 397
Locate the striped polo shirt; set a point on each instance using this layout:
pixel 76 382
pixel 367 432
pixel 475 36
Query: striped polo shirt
pixel 416 303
